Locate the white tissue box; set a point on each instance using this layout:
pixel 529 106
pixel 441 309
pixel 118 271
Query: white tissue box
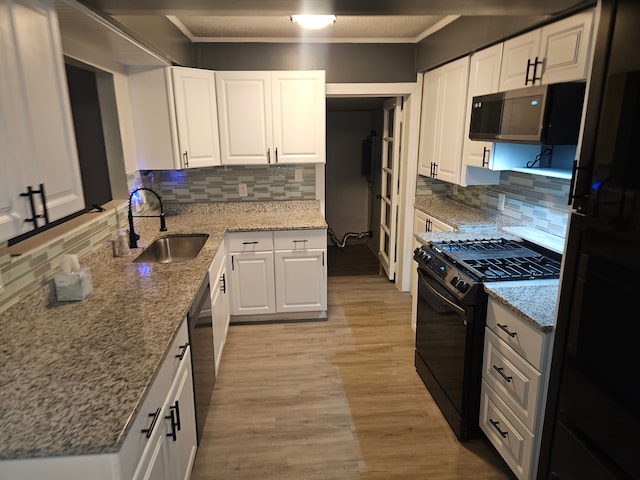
pixel 73 286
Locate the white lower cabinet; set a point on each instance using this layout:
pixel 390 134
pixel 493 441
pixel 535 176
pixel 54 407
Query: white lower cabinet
pixel 277 272
pixel 514 378
pixel 219 303
pixel 171 449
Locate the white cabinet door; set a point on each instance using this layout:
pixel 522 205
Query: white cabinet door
pixel 299 111
pixel 35 104
pixel 196 116
pixel 220 310
pixel 455 77
pixel 443 116
pixel 484 78
pixel 244 111
pixel 180 424
pixel 271 117
pixel 301 280
pixel 566 48
pixel 429 122
pixel 252 283
pixel 518 57
pixel 558 52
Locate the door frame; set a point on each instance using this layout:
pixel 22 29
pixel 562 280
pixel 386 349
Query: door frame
pixel 412 93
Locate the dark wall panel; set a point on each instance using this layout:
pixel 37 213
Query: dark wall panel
pixel 158 32
pixel 468 34
pixel 343 63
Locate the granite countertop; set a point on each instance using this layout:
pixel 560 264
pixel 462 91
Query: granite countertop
pixel 533 300
pixel 456 214
pixel 75 373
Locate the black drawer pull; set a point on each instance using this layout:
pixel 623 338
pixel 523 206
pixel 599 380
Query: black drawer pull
pixel 183 350
pixel 171 417
pixel 149 430
pixel 250 243
pixel 506 330
pixel 497 427
pixel 300 241
pixel 500 371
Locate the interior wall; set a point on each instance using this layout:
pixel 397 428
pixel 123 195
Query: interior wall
pixel 343 63
pixel 347 189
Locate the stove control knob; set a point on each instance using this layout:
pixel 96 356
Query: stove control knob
pixel 462 286
pixel 454 280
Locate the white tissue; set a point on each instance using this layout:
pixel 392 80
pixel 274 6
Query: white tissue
pixel 73 283
pixel 69 264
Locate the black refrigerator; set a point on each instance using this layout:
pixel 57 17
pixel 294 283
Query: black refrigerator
pixel 592 420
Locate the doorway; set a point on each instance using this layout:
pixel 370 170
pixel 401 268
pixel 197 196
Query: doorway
pixel 353 184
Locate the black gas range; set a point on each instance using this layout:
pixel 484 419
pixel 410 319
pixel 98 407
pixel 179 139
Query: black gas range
pixel 451 314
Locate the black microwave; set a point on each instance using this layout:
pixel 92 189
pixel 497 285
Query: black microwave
pixel 546 114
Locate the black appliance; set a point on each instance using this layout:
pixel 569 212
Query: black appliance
pixel 546 114
pixel 451 315
pixel 592 420
pixel 200 322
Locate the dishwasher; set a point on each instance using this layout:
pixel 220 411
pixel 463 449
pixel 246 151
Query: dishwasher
pixel 200 321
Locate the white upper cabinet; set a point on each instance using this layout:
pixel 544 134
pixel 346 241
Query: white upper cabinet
pixel 484 78
pixel 194 94
pixel 38 137
pixel 558 52
pixel 444 104
pixel 271 117
pixel 175 118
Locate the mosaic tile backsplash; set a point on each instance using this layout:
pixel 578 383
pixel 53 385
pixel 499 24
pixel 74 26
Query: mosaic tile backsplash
pixel 532 200
pixel 220 184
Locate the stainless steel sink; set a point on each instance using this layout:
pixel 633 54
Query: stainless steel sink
pixel 173 248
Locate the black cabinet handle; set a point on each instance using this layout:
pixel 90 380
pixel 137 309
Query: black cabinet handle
pixel 149 430
pixel 183 350
pixel 485 156
pixel 276 154
pixel 500 371
pixel 172 434
pixel 435 170
pixel 250 243
pixel 526 75
pixel 505 329
pixel 496 425
pixel 537 62
pixel 223 283
pixel 268 155
pixel 185 156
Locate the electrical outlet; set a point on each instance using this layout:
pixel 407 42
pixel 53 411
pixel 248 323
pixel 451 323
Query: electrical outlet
pixel 298 172
pixel 242 190
pixel 501 201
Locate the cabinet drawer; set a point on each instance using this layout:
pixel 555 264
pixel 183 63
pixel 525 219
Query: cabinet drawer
pixel 249 241
pixel 516 381
pixel 511 438
pixel 527 342
pixel 300 239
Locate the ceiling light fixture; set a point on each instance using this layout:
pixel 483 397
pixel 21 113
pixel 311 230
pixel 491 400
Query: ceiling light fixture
pixel 313 22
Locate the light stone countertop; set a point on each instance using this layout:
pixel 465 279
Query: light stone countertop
pixel 456 214
pixel 75 373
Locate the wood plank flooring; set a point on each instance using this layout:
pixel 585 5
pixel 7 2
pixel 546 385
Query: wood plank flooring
pixel 333 400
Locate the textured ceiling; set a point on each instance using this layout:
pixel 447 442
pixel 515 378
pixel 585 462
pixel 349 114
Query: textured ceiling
pixel 358 20
pixel 396 28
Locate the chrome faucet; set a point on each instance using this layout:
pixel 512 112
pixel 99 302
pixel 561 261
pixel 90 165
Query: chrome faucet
pixel 133 236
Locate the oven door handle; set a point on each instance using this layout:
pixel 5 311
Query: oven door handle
pixel 454 306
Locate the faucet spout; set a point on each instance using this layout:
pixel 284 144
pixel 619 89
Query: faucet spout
pixel 133 236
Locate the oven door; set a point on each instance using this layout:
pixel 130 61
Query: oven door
pixel 448 358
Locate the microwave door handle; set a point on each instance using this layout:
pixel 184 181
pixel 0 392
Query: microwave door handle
pixel 445 300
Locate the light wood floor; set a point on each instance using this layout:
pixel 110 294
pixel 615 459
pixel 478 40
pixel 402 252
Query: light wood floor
pixel 333 400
